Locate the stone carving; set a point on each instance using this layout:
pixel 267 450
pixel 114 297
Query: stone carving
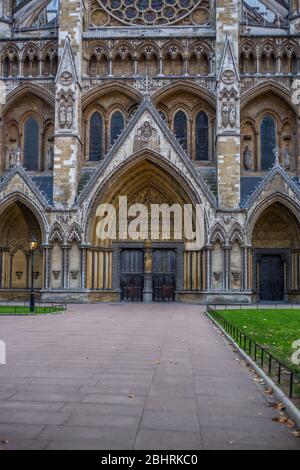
pixel 146 137
pixel 66 111
pixel 14 156
pixel 148 257
pixel 217 275
pixel 36 275
pixel 56 274
pixel 66 78
pixel 232 114
pixel 19 274
pixel 74 275
pixel 236 276
pixel 225 114
pixel 228 76
pixel 247 158
pixel 228 110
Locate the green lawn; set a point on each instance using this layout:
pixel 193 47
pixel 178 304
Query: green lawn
pixel 23 310
pixel 276 330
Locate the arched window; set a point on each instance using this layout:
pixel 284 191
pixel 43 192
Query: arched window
pixel 93 66
pixel 201 143
pixel 96 137
pixel 6 67
pixel 47 66
pixel 116 126
pixel 180 128
pixel 31 144
pixel 267 142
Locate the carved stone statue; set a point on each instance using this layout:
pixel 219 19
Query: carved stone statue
pixel 225 114
pixel 69 115
pixel 66 112
pixel 15 155
pixel 146 137
pixel 247 158
pixel 62 112
pixel 148 261
pixel 232 115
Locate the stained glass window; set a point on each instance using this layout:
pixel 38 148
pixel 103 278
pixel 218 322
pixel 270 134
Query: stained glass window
pixel 153 12
pixel 31 144
pixel 180 128
pixel 201 136
pixel 96 137
pixel 267 142
pixel 116 126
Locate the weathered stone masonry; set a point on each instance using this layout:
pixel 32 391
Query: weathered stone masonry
pixel 188 104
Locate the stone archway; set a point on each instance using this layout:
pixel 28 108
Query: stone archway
pixel 144 182
pixel 17 224
pixel 276 251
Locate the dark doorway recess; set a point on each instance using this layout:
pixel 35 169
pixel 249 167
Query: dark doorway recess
pixel 164 275
pixel 132 275
pixel 271 278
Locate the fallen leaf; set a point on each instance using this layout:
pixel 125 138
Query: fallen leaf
pixel 279 407
pixel 130 396
pixel 4 441
pixel 290 423
pixel 284 420
pixel 157 362
pixel 296 433
pixel 269 391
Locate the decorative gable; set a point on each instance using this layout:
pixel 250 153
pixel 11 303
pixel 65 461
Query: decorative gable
pixel 18 181
pixel 276 181
pixel 67 93
pixel 228 92
pixel 146 130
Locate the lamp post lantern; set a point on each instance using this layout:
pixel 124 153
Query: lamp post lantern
pixel 33 243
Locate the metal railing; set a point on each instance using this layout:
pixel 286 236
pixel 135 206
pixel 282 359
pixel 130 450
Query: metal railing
pixel 287 378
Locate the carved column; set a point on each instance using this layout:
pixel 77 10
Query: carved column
pixel 208 261
pixel 226 269
pixel 83 265
pixel 246 263
pixel 148 292
pixel 110 69
pixel 47 254
pixel 65 275
pixel 161 72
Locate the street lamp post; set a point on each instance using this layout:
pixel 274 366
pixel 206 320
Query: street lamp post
pixel 32 245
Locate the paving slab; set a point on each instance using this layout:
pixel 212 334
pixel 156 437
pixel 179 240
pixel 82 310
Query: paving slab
pixel 130 376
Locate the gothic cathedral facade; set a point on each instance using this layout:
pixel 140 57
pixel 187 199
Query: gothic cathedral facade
pixel 187 102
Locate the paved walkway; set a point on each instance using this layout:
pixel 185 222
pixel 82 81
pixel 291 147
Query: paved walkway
pixel 129 377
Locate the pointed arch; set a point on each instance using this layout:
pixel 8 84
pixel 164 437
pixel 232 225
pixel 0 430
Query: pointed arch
pixel 236 234
pixel 265 87
pixel 37 210
pixel 74 233
pixel 22 90
pixel 218 234
pixel 56 234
